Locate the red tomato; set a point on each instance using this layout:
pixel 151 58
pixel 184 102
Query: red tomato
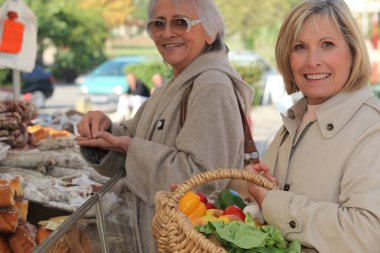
pixel 210 205
pixel 202 196
pixel 235 210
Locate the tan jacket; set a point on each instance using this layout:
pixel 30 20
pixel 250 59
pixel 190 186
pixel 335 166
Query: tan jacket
pixel 162 153
pixel 332 174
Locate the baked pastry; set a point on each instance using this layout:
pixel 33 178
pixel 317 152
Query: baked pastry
pixel 8 220
pixel 42 234
pixel 62 244
pixel 4 246
pixel 21 206
pixel 6 196
pixel 16 186
pixel 23 240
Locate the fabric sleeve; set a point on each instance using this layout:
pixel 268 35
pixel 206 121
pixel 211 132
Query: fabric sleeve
pixel 212 137
pixel 353 224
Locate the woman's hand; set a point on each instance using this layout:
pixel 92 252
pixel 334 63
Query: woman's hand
pixel 105 140
pixel 256 191
pixel 92 123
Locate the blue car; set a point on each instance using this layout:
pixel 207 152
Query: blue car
pixel 102 87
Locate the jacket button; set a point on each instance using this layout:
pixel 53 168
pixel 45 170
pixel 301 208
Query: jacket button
pixel 330 127
pixel 292 224
pixel 286 187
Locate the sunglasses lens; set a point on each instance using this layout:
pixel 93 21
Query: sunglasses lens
pixel 155 27
pixel 179 25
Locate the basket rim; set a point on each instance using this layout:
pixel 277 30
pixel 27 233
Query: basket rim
pixel 217 174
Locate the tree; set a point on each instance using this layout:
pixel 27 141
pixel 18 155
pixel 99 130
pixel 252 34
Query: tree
pixel 141 8
pixel 249 20
pixel 114 12
pixel 76 33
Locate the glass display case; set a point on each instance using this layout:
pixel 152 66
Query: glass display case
pixel 99 225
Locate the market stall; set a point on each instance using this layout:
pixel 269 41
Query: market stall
pixel 69 204
pixel 59 203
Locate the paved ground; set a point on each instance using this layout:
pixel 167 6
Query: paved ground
pixel 266 121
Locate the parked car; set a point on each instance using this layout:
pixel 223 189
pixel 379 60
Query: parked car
pixel 101 88
pixel 271 85
pixel 37 85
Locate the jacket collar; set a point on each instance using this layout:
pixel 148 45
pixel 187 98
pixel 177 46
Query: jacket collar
pixel 212 61
pixel 335 112
pixel 218 61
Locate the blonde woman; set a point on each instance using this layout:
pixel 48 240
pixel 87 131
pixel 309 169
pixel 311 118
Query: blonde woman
pixel 325 156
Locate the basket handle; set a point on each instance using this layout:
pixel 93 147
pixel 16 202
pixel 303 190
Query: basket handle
pixel 215 174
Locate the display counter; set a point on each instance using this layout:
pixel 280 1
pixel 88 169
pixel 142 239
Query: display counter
pixel 92 228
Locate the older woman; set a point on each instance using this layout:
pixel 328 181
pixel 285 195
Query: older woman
pixel 156 148
pixel 325 157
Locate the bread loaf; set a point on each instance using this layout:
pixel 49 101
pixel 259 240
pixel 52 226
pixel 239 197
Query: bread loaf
pixel 6 196
pixel 21 206
pixel 16 187
pixel 61 246
pixel 4 246
pixel 23 240
pixel 42 234
pixel 8 220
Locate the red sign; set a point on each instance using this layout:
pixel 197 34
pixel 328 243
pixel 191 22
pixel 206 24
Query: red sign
pixel 13 31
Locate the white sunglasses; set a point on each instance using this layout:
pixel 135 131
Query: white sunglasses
pixel 156 27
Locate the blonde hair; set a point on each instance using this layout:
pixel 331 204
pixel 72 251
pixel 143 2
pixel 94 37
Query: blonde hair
pixel 339 13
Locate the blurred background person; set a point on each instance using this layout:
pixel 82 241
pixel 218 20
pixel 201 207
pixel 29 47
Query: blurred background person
pixel 158 81
pixel 130 102
pixel 138 92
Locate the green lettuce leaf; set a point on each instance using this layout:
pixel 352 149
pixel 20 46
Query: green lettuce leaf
pixel 239 237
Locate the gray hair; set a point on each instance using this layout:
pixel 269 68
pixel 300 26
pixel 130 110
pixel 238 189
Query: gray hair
pixel 211 18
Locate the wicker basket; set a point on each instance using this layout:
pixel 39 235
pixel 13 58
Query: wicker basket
pixel 173 231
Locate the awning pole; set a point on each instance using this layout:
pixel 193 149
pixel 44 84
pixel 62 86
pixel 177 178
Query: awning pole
pixel 16 84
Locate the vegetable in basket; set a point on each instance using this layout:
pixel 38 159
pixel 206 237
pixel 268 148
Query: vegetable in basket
pixel 228 197
pixel 246 237
pixel 190 205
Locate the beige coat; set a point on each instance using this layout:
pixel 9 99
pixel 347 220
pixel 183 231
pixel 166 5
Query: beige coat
pixel 333 171
pixel 162 153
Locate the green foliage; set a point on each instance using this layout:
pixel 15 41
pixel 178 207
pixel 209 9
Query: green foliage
pixel 5 78
pixel 77 34
pixel 145 71
pixel 253 75
pixel 141 9
pixel 256 24
pixel 113 12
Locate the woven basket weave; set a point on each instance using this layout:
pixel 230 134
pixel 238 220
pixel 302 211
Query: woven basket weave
pixel 173 231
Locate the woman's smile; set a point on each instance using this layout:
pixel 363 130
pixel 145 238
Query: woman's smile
pixel 317 77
